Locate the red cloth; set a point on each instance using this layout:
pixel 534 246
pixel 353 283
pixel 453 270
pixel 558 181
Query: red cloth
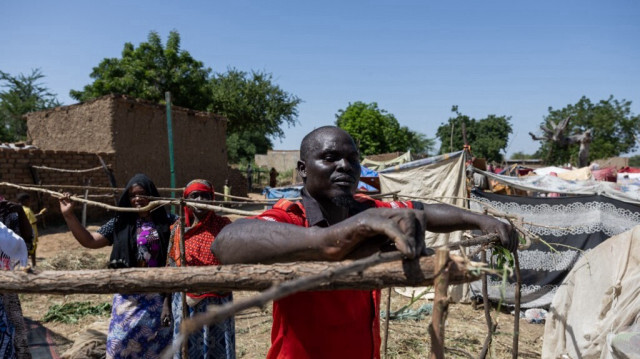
pixel 195 185
pixel 325 324
pixel 197 244
pixel 629 170
pixel 606 174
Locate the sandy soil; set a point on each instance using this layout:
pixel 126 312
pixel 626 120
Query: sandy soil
pixel 465 327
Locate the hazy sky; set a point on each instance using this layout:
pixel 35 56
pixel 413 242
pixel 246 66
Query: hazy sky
pixel 414 58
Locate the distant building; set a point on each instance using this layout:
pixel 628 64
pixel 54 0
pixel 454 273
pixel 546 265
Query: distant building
pixel 281 160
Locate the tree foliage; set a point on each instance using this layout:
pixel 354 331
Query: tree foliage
pixel 255 107
pixel 613 126
pixel 21 94
pixel 487 136
pixel 522 156
pixel 150 70
pixel 377 131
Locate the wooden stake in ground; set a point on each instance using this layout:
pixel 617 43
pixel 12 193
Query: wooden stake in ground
pixel 440 303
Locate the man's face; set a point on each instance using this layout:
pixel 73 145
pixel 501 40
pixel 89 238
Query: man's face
pixel 332 169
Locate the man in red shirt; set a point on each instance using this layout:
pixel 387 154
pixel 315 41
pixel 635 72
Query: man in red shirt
pixel 331 223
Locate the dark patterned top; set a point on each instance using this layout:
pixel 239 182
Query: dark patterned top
pixel 147 240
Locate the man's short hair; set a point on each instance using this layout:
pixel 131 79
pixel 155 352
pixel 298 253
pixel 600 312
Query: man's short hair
pixel 23 196
pixel 309 142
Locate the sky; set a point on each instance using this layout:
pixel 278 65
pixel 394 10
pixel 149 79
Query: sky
pixel 414 58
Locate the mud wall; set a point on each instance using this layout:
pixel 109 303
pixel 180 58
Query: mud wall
pixel 85 127
pixel 141 143
pixel 15 168
pixel 282 160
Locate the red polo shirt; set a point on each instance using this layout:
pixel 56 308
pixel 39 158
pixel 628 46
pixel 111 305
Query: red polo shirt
pixel 325 324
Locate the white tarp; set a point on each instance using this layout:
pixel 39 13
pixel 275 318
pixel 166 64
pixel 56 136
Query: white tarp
pixel 443 179
pixel 440 181
pixel 625 193
pixel 597 303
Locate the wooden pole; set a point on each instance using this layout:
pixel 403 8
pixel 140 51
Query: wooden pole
pixel 440 303
pixel 386 323
pixel 491 326
pixel 516 319
pixel 224 278
pixel 87 182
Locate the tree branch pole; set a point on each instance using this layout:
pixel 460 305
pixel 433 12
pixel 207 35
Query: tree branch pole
pixel 440 303
pixel 491 327
pixel 516 320
pixel 387 316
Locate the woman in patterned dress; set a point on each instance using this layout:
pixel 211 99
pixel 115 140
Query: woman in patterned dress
pixel 139 239
pixel 201 227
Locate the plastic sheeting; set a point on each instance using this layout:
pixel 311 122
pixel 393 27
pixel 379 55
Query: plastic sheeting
pixel 440 180
pixel 626 193
pixel 380 165
pixel 598 301
pixel 282 192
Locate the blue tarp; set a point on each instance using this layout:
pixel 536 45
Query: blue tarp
pixel 367 172
pixel 282 192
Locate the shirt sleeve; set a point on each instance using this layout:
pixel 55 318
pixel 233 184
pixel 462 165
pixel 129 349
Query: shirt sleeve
pixel 107 229
pixel 30 216
pixel 274 215
pixel 394 204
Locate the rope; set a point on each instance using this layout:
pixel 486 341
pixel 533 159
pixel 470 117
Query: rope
pixel 66 170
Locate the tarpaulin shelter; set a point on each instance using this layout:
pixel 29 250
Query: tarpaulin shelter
pixel 431 180
pixel 440 177
pixel 380 165
pixel 596 311
pixel 572 225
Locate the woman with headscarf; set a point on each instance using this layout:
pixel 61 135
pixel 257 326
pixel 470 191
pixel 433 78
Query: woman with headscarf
pixel 139 240
pixel 201 227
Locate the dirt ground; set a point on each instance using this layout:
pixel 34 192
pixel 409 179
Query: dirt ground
pixel 465 326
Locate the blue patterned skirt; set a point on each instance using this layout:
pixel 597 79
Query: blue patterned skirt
pixel 135 330
pixel 212 342
pixel 7 330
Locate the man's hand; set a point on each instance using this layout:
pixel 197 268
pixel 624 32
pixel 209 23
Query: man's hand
pixel 508 234
pixel 405 227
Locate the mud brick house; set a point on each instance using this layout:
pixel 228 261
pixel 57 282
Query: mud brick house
pixel 134 132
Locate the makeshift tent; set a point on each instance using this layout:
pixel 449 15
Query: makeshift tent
pixel 440 177
pixel 577 224
pixel 380 165
pixel 626 193
pixel 596 311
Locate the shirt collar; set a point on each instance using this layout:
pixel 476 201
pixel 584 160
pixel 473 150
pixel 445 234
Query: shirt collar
pixel 315 216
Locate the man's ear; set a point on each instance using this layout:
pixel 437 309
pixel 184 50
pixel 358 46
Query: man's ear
pixel 302 169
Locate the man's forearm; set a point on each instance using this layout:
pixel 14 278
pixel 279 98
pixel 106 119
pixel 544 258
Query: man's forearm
pixel 258 241
pixel 442 218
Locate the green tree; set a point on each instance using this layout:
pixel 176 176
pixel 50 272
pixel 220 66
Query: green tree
pixel 377 131
pixel 614 129
pixel 150 70
pixel 522 156
pixel 256 109
pixel 634 161
pixel 487 136
pixel 22 94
